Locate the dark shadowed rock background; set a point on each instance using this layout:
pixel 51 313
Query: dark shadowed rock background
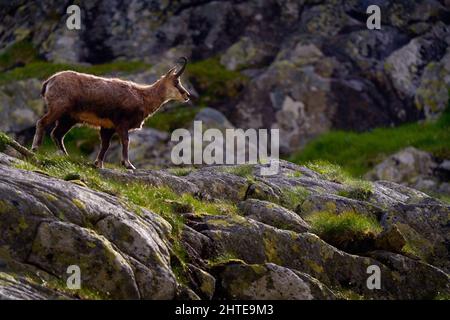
pixel 373 101
pixel 306 66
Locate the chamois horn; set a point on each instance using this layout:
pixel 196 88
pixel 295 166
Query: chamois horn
pixel 183 62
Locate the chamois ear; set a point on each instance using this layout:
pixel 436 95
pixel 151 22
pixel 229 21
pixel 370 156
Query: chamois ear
pixel 170 72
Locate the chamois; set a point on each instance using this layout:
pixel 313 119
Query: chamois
pixel 114 105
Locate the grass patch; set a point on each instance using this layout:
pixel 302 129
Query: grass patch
pixel 344 228
pixel 4 141
pixel 294 174
pixel 85 293
pixel 214 82
pixel 347 294
pixel 170 119
pixel 18 54
pixel 181 172
pixel 442 296
pixel 294 197
pixel 356 188
pixel 224 258
pixel 243 170
pixel 179 258
pixel 44 69
pixel 357 153
pixel 135 194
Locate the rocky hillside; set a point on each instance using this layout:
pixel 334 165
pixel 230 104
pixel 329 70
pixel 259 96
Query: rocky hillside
pixel 302 66
pixel 215 233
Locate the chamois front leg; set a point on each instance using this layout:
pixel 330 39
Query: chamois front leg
pixel 123 135
pixel 105 136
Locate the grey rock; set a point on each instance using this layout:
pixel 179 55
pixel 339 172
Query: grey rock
pixel 268 282
pixel 21 105
pixel 60 223
pixel 256 243
pixel 273 215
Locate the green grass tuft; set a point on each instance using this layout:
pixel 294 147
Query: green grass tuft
pixel 4 140
pixel 348 225
pixel 224 258
pixel 242 170
pixel 293 197
pixel 182 171
pixel 356 188
pixel 329 170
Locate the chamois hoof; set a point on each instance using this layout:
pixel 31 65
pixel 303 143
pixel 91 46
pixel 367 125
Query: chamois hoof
pixel 61 153
pixel 128 165
pixel 98 164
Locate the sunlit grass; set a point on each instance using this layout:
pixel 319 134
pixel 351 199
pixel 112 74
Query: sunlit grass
pixel 359 152
pixel 294 197
pixel 338 228
pixel 155 199
pixel 356 188
pixel 242 170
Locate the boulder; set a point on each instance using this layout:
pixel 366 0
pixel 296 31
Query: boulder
pixel 414 168
pixel 273 215
pixel 262 250
pixel 21 104
pixel 257 243
pixel 267 281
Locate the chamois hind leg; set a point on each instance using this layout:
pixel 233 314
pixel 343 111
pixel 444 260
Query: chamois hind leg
pixel 124 139
pixel 41 125
pixel 63 125
pixel 105 136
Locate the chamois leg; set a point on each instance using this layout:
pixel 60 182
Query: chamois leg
pixel 123 135
pixel 105 136
pixel 63 126
pixel 43 123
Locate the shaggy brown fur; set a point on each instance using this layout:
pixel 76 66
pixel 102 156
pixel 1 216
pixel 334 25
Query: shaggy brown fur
pixel 114 105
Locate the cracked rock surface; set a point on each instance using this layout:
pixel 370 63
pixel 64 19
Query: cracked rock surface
pixel 267 250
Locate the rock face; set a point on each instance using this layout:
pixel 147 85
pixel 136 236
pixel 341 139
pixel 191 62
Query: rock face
pixel 20 105
pixel 414 168
pixel 312 65
pixel 51 224
pixel 265 250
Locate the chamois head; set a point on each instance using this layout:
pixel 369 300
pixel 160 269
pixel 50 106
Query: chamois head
pixel 174 90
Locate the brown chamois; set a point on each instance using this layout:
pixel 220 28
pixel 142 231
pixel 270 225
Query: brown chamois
pixel 114 105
